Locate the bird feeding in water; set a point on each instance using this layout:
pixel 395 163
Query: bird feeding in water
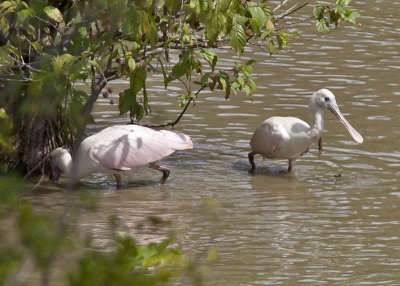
pixel 290 137
pixel 119 150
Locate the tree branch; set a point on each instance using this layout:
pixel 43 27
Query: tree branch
pixel 173 123
pixel 280 5
pixel 288 12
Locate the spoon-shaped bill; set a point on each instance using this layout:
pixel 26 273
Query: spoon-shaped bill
pixel 354 133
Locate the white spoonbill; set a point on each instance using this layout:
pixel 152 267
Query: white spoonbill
pixel 118 150
pixel 290 137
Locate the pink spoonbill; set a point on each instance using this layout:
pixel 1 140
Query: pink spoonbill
pixel 290 137
pixel 119 150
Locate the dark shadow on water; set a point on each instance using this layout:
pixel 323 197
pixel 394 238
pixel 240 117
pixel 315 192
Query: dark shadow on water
pixel 100 186
pixel 243 166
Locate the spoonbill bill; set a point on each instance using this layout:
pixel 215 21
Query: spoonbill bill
pixel 290 137
pixel 118 150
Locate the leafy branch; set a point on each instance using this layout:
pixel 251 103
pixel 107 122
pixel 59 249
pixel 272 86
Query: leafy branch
pixel 325 16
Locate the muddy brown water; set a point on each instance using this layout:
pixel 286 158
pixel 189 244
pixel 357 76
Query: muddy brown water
pixel 334 220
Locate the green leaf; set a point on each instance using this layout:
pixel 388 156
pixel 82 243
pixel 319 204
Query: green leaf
pixel 6 5
pixel 211 26
pixel 223 5
pixel 204 78
pixel 238 37
pixel 5 51
pixel 138 79
pixel 173 6
pixel 182 100
pixel 334 17
pixel 53 13
pixel 236 6
pixel 351 16
pixel 342 4
pixel 319 11
pixel 247 89
pixel 79 96
pixel 235 87
pixel 127 101
pixel 62 61
pixel 271 46
pixel 210 56
pixel 223 79
pixel 192 96
pixel 283 40
pixel 131 64
pixel 83 31
pixel 255 26
pixel 181 68
pixel 24 18
pixel 149 28
pixel 269 26
pixel 166 80
pixel 322 25
pixel 258 17
pixel 3 114
pixel 228 91
pixel 240 81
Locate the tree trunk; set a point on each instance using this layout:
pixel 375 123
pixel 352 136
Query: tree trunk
pixel 37 137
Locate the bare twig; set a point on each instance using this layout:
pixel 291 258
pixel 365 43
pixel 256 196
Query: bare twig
pixel 173 123
pixel 48 23
pixel 44 159
pixel 280 5
pixel 291 12
pixel 20 66
pixel 287 11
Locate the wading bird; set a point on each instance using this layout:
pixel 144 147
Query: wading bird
pixel 290 137
pixel 118 150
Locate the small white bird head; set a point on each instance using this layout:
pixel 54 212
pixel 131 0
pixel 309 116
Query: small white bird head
pixel 59 160
pixel 325 98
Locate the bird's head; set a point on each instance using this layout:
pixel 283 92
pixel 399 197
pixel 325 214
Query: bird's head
pixel 325 98
pixel 59 159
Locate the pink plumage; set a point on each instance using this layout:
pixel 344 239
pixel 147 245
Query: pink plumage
pixel 123 148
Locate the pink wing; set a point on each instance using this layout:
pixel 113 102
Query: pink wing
pixel 128 147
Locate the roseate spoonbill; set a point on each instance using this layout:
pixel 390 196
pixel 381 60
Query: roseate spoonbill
pixel 290 137
pixel 118 150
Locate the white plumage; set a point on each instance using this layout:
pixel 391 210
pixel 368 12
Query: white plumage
pixel 290 137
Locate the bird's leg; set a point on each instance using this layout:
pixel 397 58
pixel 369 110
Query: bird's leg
pixel 118 180
pixel 320 143
pixel 251 160
pixel 291 164
pixel 165 171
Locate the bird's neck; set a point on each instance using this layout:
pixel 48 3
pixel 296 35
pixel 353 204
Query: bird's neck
pixel 317 125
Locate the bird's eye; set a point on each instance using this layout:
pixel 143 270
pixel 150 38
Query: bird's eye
pixel 326 99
